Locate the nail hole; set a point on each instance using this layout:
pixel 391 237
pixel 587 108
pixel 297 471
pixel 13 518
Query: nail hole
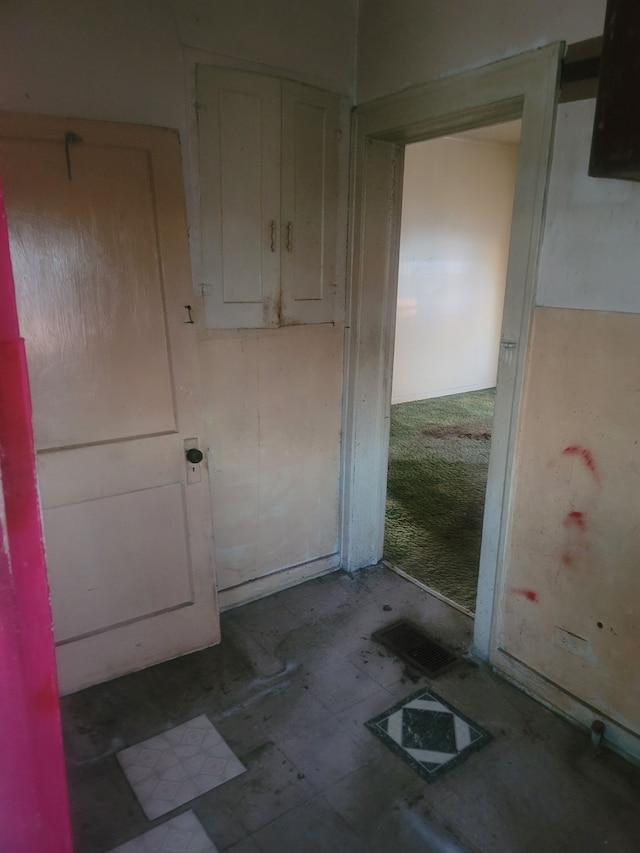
pixel 599 624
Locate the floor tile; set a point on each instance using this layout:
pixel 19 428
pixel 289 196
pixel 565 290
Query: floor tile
pixel 441 622
pixel 428 733
pixel 539 785
pixel 182 834
pixel 330 751
pixel 368 798
pixel 491 786
pixel 178 765
pixel 271 787
pixel 272 716
pixel 313 827
pixel 322 597
pixel 357 715
pixel 408 830
pixel 247 845
pixel 383 667
pixel 336 682
pixel 104 811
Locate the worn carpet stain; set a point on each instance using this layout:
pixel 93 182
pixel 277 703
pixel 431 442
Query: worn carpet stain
pixel 438 461
pixel 457 431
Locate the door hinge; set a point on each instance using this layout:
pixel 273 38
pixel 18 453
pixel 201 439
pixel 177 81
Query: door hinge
pixel 508 348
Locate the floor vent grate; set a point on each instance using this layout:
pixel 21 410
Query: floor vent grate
pixel 412 645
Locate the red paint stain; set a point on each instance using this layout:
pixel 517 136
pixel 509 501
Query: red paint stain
pixel 566 559
pixel 529 594
pixel 576 519
pixel 585 455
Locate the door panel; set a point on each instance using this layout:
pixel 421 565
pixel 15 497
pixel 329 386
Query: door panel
pixel 98 239
pixel 311 134
pixel 310 130
pixel 99 542
pixel 89 338
pixel 240 190
pixel 97 471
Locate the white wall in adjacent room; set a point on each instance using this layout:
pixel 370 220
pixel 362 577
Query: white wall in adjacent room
pixel 456 222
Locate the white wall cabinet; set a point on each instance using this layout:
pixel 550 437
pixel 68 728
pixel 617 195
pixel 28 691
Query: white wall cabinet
pixel 273 200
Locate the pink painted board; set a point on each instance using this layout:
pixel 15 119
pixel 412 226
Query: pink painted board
pixel 34 810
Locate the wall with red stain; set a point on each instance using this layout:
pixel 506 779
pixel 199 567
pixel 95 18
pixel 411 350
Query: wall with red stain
pixel 574 556
pixel 575 529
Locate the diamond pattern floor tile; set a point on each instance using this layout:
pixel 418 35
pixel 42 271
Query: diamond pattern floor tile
pixel 428 733
pixel 172 768
pixel 182 834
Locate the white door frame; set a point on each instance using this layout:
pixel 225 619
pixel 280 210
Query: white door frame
pixel 524 86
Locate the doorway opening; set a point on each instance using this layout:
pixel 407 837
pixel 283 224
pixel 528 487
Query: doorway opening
pixel 523 86
pixel 455 227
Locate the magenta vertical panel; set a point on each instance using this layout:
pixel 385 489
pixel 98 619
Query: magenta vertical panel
pixel 34 812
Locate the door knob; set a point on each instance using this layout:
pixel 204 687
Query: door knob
pixel 194 455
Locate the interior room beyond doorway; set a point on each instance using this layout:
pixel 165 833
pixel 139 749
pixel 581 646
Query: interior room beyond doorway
pixel 454 242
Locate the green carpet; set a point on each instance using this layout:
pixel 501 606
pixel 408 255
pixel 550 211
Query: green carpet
pixel 438 460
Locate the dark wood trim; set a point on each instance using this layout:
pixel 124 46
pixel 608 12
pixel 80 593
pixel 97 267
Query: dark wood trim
pixel 581 70
pixel 615 146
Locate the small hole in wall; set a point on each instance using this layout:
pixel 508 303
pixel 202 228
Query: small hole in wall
pixel 599 624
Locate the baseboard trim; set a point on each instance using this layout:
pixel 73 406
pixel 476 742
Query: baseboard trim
pixel 252 590
pixel 430 590
pixel 616 736
pixel 442 392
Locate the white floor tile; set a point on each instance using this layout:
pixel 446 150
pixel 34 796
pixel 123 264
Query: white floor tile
pixel 170 769
pixel 182 834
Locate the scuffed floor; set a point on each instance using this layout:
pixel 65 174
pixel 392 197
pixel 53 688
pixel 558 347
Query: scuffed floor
pixel 290 688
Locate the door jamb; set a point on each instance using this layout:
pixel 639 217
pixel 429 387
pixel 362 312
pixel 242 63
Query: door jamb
pixel 523 86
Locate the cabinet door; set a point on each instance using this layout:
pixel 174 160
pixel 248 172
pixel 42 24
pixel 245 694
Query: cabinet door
pixel 239 154
pixel 311 146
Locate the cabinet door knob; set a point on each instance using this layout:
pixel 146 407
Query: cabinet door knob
pixel 289 236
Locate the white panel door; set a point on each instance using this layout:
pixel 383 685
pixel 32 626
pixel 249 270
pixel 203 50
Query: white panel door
pixel 311 145
pixel 239 155
pixel 99 247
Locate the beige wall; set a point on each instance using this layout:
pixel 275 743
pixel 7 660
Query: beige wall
pixel 272 415
pixel 575 536
pixel 132 62
pixel 126 61
pixel 454 241
pixel 571 602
